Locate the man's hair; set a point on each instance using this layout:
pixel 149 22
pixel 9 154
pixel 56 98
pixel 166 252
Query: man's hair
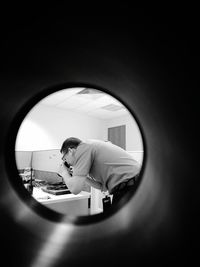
pixel 71 142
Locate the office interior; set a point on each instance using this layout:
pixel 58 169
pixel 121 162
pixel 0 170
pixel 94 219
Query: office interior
pixel 86 113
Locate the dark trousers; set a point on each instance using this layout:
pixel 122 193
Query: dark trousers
pixel 124 189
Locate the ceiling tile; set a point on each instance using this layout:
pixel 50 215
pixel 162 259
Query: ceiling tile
pixel 73 102
pixel 90 104
pixel 60 96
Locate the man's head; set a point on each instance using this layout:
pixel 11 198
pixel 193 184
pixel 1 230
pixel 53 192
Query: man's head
pixel 68 149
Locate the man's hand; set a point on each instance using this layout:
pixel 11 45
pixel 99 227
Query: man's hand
pixel 63 170
pixel 75 183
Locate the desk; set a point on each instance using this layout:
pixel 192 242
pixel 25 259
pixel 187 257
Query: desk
pixel 68 203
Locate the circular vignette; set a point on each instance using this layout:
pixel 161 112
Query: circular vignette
pixel 11 167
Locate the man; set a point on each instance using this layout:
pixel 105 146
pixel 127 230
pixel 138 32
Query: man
pixel 100 164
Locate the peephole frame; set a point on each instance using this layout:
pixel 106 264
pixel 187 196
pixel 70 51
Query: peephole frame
pixel 11 167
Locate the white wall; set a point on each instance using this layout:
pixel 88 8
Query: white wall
pixel 47 128
pixel 133 135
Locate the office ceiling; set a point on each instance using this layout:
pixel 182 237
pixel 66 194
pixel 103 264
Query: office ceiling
pixel 88 101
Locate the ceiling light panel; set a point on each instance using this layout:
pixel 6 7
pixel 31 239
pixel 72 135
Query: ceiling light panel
pixel 101 114
pixel 106 114
pixel 112 107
